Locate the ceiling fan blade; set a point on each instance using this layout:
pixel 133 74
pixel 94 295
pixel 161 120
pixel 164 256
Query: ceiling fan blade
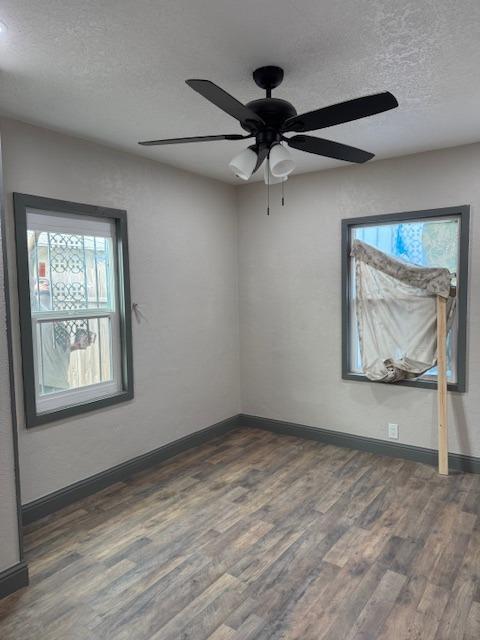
pixel 227 103
pixel 328 148
pixel 233 136
pixel 342 112
pixel 262 152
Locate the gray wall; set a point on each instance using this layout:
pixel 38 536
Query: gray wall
pixel 9 551
pixel 183 264
pixel 290 318
pixel 185 252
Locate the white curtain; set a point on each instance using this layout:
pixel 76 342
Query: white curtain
pixel 395 304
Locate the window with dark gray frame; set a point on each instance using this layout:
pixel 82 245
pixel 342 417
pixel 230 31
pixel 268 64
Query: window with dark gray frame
pixel 430 238
pixel 74 302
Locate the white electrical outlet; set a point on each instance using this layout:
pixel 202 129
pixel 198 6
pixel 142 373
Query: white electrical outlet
pixel 393 430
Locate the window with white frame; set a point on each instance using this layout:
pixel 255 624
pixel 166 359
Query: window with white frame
pixel 78 339
pixel 433 238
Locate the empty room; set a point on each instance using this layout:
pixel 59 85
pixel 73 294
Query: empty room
pixel 239 320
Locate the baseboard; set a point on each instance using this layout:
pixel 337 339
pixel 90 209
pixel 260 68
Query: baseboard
pixel 68 495
pixel 456 461
pixel 63 497
pixel 13 579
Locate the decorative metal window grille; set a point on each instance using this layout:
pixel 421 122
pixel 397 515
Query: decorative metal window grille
pixel 67 252
pixel 67 255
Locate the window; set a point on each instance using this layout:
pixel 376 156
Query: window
pixel 74 301
pixel 433 238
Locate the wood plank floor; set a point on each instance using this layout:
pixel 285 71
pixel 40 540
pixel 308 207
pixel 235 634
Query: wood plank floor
pixel 259 536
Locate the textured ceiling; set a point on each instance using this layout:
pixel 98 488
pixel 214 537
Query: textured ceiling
pixel 113 70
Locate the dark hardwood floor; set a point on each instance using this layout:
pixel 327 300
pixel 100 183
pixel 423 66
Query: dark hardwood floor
pixel 256 536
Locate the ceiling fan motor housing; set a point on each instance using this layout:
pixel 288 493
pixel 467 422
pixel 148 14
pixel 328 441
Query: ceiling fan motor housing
pixel 273 111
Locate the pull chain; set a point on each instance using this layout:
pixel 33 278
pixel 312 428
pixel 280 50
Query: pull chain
pixel 283 193
pixel 268 184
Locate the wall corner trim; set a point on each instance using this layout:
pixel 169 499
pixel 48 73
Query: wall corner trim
pixel 63 497
pixel 456 461
pixel 13 578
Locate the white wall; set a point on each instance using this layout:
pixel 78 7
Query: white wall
pixel 290 298
pixel 9 551
pixel 183 266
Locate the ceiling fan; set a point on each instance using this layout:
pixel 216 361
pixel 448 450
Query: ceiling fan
pixel 269 119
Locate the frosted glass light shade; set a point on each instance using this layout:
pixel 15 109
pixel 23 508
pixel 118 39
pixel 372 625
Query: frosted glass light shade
pixel 268 177
pixel 244 164
pixel 281 163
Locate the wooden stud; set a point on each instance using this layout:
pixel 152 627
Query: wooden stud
pixel 442 385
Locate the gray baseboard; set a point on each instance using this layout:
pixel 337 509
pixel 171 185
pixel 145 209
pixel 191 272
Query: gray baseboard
pixel 13 579
pixel 63 497
pixel 456 461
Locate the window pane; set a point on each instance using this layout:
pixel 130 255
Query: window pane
pixel 70 271
pixel 427 243
pixel 73 354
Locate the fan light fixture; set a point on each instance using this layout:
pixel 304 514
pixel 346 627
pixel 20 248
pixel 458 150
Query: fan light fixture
pixel 281 163
pixel 244 163
pixel 268 177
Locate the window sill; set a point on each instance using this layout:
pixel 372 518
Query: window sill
pixel 50 403
pixel 78 409
pixel 419 384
